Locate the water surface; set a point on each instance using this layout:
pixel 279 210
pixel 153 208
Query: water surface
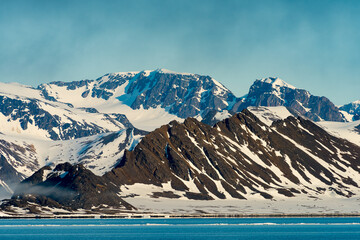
pixel 188 228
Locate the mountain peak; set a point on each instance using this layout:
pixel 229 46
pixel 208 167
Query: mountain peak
pixel 273 91
pixel 353 109
pixel 276 82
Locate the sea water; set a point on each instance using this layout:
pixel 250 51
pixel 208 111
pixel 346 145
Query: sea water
pixel 186 228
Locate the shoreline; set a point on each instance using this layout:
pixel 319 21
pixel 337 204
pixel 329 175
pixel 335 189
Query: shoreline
pixel 175 216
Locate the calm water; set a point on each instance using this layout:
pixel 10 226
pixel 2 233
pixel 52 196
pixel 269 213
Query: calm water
pixel 215 228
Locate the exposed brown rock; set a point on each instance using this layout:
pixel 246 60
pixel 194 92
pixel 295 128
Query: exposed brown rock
pixel 201 154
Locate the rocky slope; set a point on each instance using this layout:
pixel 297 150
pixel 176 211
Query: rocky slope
pixel 16 163
pixel 24 112
pixel 241 157
pixel 99 153
pixel 275 92
pixel 66 186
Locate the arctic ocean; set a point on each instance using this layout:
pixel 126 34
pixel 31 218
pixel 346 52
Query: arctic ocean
pixel 188 228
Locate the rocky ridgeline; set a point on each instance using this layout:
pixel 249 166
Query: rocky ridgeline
pixel 184 95
pixel 275 92
pixel 240 157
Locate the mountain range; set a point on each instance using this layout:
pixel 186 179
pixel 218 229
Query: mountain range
pixel 186 135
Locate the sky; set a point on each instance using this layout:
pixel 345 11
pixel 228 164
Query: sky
pixel 313 45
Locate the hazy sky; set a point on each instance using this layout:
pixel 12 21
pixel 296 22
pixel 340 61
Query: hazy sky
pixel 313 45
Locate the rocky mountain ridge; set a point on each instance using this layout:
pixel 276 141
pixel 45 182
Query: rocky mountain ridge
pixel 241 156
pixel 69 110
pixel 238 158
pixel 183 95
pixel 275 92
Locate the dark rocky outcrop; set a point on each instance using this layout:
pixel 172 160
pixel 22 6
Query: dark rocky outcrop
pixel 67 186
pixel 185 95
pixel 240 152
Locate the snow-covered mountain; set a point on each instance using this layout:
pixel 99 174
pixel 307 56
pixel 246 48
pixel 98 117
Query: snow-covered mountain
pixel 95 122
pixel 145 99
pixel 24 112
pixel 87 110
pixel 19 158
pixel 270 92
pixel 69 110
pixel 148 98
pixel 353 109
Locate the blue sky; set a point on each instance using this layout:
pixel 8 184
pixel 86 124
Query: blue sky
pixel 314 45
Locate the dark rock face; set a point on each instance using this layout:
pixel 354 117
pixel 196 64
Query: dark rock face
pixel 300 102
pixel 25 110
pixel 71 85
pixel 241 153
pixel 185 95
pixel 68 186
